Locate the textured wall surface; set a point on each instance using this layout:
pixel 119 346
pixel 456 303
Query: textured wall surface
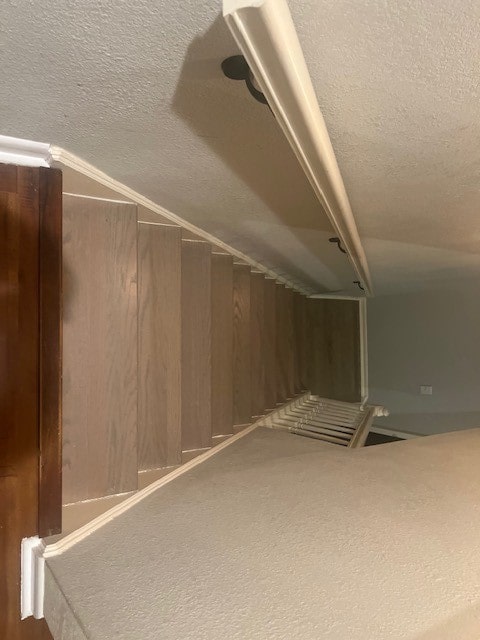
pixel 280 536
pixel 136 89
pixel 427 338
pixel 398 85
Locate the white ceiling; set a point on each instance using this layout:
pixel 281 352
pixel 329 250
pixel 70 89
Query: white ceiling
pixel 136 89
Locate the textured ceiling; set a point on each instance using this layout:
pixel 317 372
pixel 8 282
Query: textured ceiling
pixel 136 89
pixel 399 86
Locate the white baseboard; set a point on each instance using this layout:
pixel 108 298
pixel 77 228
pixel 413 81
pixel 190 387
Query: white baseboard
pixel 32 578
pixel 394 433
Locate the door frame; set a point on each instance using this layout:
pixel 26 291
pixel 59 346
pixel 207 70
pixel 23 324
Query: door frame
pixel 362 315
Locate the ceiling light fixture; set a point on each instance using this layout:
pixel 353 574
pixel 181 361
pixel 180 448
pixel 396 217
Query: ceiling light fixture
pixel 265 33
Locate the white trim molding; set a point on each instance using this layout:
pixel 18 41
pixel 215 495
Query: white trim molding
pixel 32 578
pixel 24 152
pixel 362 311
pixel 334 296
pixel 265 33
pixel 395 433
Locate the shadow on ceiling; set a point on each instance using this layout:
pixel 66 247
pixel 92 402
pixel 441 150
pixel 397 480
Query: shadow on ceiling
pixel 245 135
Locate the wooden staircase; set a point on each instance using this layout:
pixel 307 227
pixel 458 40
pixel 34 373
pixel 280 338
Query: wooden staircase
pixel 171 345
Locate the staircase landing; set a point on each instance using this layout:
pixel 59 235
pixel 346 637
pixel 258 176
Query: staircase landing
pixel 279 536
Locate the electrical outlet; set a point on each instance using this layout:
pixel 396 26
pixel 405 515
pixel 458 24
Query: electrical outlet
pixel 426 390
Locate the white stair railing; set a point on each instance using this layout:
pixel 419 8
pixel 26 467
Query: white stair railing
pixel 342 423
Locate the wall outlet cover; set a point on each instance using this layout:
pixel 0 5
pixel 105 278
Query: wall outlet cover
pixel 426 390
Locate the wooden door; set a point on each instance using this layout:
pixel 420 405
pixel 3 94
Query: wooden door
pixel 334 364
pixel 30 304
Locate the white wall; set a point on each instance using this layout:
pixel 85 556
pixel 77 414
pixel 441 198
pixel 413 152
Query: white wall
pixel 426 338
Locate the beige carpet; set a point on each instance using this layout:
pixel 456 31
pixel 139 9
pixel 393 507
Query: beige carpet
pixel 283 537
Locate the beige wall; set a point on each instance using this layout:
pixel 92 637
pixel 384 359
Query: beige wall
pixel 426 338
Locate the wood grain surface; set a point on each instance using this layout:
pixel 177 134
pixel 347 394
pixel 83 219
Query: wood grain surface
pixel 99 348
pixel 20 407
pixel 302 342
pixel 285 344
pixel 222 344
pixel 296 350
pixel 289 352
pixel 242 384
pixel 196 345
pixel 76 183
pixel 50 356
pixel 159 346
pixel 334 362
pixel 257 343
pixel 281 344
pixel 270 333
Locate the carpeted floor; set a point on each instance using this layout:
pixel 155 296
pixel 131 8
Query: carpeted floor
pixel 280 537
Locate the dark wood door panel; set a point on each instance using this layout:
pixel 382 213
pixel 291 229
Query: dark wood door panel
pixel 30 203
pixel 334 359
